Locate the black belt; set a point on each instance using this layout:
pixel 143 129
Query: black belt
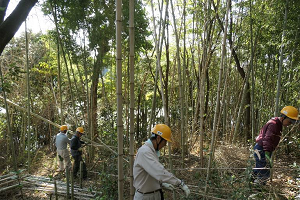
pixel 150 192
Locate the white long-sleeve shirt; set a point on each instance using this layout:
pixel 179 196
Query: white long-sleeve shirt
pixel 148 172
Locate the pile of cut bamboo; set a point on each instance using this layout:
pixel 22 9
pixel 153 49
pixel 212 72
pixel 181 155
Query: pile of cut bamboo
pixel 47 185
pixel 44 184
pixel 9 181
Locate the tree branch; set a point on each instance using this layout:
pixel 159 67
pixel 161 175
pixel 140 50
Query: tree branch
pixel 13 22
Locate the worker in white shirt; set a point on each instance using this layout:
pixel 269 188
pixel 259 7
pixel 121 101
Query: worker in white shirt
pixel 149 175
pixel 61 142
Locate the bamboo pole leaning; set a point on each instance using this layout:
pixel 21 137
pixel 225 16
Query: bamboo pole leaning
pixel 33 114
pixel 57 125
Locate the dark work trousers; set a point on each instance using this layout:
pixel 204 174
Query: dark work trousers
pixel 261 162
pixel 76 166
pixel 162 194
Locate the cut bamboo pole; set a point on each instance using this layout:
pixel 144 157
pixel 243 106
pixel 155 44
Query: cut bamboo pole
pixel 81 174
pixel 33 114
pixel 55 190
pixel 72 186
pixel 68 182
pixel 8 188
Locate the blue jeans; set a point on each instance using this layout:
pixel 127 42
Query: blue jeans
pixel 260 162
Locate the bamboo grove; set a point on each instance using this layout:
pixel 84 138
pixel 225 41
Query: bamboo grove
pixel 214 70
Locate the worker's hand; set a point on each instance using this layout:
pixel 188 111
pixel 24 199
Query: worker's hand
pixel 80 149
pixel 268 159
pixel 168 186
pixel 185 188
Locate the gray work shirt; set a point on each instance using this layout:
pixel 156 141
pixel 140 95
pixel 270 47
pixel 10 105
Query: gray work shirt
pixel 61 141
pixel 148 172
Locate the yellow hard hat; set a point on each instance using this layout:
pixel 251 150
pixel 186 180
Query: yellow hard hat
pixel 80 130
pixel 290 112
pixel 163 131
pixel 63 128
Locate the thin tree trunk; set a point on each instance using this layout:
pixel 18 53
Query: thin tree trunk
pixel 181 101
pixel 76 87
pixel 93 97
pixel 156 40
pixel 87 94
pixel 12 23
pixel 24 118
pixel 119 98
pixel 279 73
pixel 158 53
pixel 281 61
pixel 131 62
pixel 252 77
pixel 195 104
pixel 11 142
pixel 184 131
pixel 69 81
pixel 218 97
pixel 58 66
pixel 239 68
pixel 28 99
pixel 241 107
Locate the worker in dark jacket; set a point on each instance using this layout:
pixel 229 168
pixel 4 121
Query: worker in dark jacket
pixel 76 152
pixel 267 141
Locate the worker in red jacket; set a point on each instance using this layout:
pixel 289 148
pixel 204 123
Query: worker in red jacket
pixel 267 141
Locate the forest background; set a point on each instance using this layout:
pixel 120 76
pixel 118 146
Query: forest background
pixel 215 71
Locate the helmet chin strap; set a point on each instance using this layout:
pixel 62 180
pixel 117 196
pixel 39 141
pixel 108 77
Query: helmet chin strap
pixel 157 144
pixel 284 118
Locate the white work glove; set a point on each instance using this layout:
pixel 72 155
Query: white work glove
pixel 168 186
pixel 185 188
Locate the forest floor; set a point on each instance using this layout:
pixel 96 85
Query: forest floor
pixel 229 178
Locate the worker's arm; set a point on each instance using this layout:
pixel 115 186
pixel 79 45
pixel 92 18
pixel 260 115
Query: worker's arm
pixel 155 169
pixel 152 166
pixel 67 140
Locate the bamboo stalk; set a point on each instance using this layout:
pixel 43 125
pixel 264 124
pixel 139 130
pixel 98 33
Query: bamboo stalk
pixel 9 187
pixel 7 178
pixel 60 192
pixel 81 174
pixel 72 186
pixel 7 175
pixel 33 114
pixel 55 190
pixel 68 182
pixel 11 181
